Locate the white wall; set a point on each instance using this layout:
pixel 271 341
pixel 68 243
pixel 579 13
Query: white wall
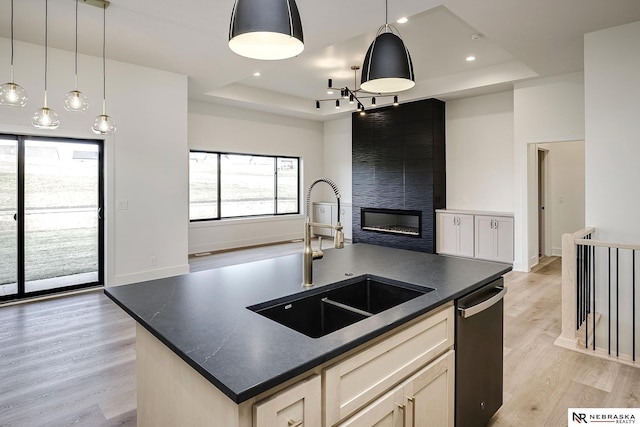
pixel 225 128
pixel 337 157
pixel 479 141
pixel 565 205
pixel 145 161
pixel 612 88
pixel 545 110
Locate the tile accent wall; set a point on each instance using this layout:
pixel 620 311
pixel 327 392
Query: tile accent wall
pixel 399 163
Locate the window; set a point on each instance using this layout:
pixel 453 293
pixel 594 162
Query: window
pixel 228 185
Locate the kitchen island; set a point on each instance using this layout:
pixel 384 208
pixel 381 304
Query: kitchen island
pixel 200 324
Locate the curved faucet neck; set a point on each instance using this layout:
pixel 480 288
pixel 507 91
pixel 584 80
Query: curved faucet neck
pixel 308 200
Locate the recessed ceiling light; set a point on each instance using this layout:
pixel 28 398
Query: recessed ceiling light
pixel 329 92
pixel 471 58
pixel 402 20
pixel 256 74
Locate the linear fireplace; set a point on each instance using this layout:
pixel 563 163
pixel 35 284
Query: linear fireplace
pixel 392 221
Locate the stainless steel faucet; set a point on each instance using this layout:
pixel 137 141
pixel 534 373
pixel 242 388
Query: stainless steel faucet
pixel 338 242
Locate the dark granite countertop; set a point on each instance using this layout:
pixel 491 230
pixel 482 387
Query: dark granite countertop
pixel 203 317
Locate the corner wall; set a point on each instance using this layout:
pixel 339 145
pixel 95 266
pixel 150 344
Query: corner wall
pixel 545 110
pixel 479 132
pixel 145 160
pixel 612 90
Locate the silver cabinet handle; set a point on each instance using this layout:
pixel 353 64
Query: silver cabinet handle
pixel 294 423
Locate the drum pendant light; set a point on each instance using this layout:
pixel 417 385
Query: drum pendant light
pixel 387 66
pixel 12 94
pixel 266 29
pixel 103 124
pixel 45 118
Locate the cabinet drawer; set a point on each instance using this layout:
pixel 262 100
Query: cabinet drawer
pixel 298 405
pixel 355 381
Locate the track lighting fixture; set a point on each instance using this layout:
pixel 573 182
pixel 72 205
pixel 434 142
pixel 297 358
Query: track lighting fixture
pixel 266 29
pixel 355 95
pixel 11 93
pixel 387 66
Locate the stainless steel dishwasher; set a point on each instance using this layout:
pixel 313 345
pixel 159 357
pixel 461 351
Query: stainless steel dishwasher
pixel 479 349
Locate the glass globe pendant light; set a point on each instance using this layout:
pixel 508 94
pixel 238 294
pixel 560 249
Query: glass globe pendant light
pixel 103 124
pixel 266 29
pixel 75 100
pixel 45 118
pixel 12 94
pixel 387 66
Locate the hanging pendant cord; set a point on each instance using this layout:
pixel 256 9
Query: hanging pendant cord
pixel 12 39
pixel 76 59
pixel 386 12
pixel 104 67
pixel 46 44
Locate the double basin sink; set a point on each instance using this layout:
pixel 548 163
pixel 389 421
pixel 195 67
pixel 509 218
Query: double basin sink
pixel 323 310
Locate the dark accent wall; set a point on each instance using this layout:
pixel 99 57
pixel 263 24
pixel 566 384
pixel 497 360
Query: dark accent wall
pixel 399 163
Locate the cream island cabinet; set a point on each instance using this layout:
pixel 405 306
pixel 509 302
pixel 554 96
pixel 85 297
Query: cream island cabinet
pixel 206 357
pixel 404 375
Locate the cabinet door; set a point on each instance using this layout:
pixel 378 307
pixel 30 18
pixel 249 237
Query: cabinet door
pixel 353 382
pixel 298 405
pixel 387 411
pixel 430 394
pixel 485 245
pixel 504 239
pixel 465 235
pixel 446 239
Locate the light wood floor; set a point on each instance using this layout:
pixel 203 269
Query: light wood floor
pixel 71 360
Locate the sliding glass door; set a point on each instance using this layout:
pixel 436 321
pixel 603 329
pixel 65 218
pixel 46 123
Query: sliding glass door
pixel 8 217
pixel 58 225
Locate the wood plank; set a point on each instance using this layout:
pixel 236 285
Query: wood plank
pixel 71 360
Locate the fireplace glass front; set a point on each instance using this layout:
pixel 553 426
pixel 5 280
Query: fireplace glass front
pixel 392 221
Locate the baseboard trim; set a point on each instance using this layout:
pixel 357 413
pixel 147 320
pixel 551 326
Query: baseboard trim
pixel 142 276
pixel 243 243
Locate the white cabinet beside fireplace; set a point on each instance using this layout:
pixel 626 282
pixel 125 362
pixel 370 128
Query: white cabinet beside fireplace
pixel 477 234
pixel 327 213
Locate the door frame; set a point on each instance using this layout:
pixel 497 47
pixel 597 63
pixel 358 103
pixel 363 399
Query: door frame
pixel 544 231
pixel 20 216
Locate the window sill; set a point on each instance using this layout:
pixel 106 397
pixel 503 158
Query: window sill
pixel 227 222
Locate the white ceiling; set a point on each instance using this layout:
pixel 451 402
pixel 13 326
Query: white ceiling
pixel 522 39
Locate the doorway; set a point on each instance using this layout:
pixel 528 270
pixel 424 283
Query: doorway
pixel 51 222
pixel 542 201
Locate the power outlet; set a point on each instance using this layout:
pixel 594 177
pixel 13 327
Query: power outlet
pixel 153 261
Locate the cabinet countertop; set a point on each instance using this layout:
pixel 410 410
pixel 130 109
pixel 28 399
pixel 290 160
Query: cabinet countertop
pixel 472 212
pixel 203 318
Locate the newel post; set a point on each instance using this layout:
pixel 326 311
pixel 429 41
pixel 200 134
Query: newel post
pixel 569 255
